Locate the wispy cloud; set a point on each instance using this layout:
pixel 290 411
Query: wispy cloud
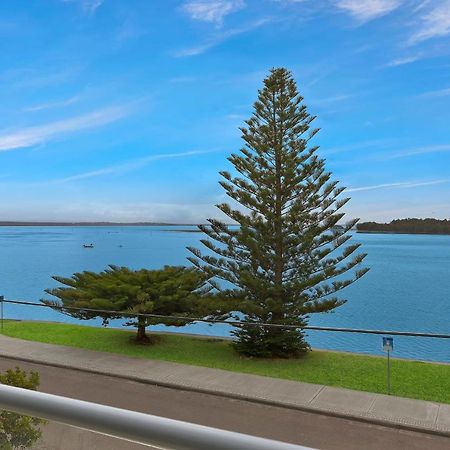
pixel 51 105
pixel 32 78
pixel 128 166
pixel 417 207
pixel 30 136
pixel 366 10
pixel 240 117
pixel 402 185
pixel 332 99
pixel 359 146
pixel 404 60
pixel 421 5
pixel 213 11
pixel 115 211
pixel 434 23
pixel 182 79
pixel 437 93
pixel 218 38
pixel 290 1
pixel 130 29
pixel 443 148
pixel 88 6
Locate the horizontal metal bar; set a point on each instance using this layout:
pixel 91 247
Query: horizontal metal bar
pixel 395 333
pixel 237 323
pixel 133 426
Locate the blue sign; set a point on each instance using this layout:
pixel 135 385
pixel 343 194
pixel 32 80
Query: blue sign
pixel 388 344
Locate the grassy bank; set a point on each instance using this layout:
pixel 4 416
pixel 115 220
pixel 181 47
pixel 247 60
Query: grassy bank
pixel 409 378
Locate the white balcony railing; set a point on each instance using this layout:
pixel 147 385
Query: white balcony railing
pixel 153 431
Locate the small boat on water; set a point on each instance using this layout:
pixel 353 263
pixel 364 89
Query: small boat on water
pixel 88 245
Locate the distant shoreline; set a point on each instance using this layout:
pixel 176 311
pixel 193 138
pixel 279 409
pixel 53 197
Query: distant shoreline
pixel 94 224
pixel 402 232
pixel 166 224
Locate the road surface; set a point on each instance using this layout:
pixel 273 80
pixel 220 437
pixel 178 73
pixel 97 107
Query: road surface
pixel 308 429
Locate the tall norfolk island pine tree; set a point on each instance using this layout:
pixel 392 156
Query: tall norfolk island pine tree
pixel 289 257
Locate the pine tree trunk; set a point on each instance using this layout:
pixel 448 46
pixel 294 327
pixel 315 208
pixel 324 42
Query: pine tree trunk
pixel 141 336
pixel 279 266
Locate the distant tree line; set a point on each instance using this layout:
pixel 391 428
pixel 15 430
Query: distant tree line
pixel 413 226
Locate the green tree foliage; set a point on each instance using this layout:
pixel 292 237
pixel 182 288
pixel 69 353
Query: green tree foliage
pixel 17 431
pixel 412 226
pixel 171 291
pixel 288 257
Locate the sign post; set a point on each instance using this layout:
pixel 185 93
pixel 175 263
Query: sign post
pixel 388 346
pixel 1 312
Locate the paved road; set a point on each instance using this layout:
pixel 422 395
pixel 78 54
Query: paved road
pixel 317 431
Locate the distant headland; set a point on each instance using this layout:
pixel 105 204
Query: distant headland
pixel 407 226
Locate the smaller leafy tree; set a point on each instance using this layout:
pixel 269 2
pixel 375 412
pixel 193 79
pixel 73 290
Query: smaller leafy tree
pixel 171 291
pixel 17 431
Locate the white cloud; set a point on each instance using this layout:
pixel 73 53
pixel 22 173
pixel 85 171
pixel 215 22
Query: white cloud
pixel 438 93
pixel 366 10
pixel 154 211
pixel 434 23
pixel 289 1
pixel 332 99
pixel 130 29
pixel 218 38
pixel 404 60
pixel 99 211
pixel 443 148
pixel 198 49
pixel 213 11
pixel 358 146
pixel 239 117
pixel 88 6
pixel 421 207
pixel 91 5
pixel 51 105
pixel 128 166
pixel 183 79
pixel 30 136
pixel 421 5
pixel 402 185
pixel 37 78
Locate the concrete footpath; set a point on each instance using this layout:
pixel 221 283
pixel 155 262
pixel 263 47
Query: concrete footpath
pixel 417 415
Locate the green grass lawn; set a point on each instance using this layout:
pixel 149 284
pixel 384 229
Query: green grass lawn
pixel 409 378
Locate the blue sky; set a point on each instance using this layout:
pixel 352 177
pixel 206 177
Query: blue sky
pixel 126 110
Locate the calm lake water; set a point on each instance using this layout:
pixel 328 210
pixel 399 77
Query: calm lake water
pixel 407 288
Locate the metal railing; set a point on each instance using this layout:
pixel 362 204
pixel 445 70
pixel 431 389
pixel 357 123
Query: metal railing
pixel 226 322
pixel 152 431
